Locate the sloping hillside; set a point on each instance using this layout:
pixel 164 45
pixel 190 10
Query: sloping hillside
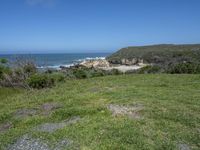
pixel 157 54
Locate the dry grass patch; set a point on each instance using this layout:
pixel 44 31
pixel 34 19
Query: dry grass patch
pixel 132 111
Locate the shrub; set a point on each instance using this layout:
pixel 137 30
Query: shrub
pixel 49 71
pixel 29 68
pixel 131 72
pixel 4 70
pixel 186 68
pixel 150 69
pixel 40 81
pixel 114 72
pixel 58 77
pixel 80 73
pixel 97 73
pixel 3 61
pixel 69 74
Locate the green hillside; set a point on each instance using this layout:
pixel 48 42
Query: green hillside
pixel 158 54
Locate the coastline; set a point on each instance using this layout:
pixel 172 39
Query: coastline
pixel 107 66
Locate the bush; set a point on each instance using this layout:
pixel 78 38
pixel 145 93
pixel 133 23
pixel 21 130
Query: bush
pixel 149 69
pixel 40 81
pixel 97 73
pixel 58 77
pixel 80 74
pixel 29 68
pixel 3 61
pixel 186 68
pixel 114 72
pixel 4 70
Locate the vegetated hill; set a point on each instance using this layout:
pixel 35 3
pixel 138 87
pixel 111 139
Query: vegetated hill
pixel 158 54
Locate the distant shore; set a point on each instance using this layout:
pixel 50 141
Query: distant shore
pixel 105 65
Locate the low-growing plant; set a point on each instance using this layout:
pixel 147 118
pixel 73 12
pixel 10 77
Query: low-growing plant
pixel 149 69
pixel 40 81
pixel 57 76
pixel 114 72
pixel 3 61
pixel 80 73
pixel 4 70
pixel 184 68
pixel 15 74
pixel 29 68
pixel 97 73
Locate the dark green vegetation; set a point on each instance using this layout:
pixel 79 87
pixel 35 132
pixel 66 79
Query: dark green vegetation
pixel 158 53
pixel 3 67
pixel 45 79
pixel 170 115
pixel 84 72
pixel 167 57
pixel 26 75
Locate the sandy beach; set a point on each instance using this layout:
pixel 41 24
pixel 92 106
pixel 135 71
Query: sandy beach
pixel 122 68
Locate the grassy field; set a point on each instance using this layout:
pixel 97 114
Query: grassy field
pixel 170 117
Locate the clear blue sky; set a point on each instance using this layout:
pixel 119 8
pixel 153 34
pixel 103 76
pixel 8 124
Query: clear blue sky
pixel 95 25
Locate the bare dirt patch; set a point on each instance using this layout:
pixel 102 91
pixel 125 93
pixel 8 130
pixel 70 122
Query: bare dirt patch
pixel 63 144
pixel 25 112
pixel 183 147
pixel 132 111
pixel 47 108
pixel 95 90
pixel 52 127
pixel 5 127
pixel 109 88
pixel 28 143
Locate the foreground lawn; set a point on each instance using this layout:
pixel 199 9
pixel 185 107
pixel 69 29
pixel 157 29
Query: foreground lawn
pixel 170 118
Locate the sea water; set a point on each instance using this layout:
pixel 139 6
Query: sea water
pixel 54 61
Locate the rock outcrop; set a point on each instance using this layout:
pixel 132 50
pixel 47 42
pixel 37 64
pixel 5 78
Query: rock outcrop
pixel 96 63
pixel 134 61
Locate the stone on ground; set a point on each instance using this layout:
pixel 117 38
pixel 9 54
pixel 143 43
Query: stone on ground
pixel 183 147
pixel 29 143
pixel 25 112
pixel 52 127
pixel 47 108
pixel 5 127
pixel 95 90
pixel 132 111
pixel 63 144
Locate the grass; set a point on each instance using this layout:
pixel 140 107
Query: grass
pixel 171 114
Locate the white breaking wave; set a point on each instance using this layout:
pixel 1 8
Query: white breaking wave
pixel 57 67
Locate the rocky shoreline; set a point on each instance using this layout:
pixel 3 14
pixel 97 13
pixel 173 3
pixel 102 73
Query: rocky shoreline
pixel 106 65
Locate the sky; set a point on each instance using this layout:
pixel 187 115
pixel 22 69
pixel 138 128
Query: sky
pixel 73 26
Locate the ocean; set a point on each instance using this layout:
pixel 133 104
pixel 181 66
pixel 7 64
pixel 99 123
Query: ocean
pixel 54 61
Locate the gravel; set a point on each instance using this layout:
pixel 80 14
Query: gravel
pixel 28 143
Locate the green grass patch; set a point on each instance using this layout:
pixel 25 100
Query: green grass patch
pixel 170 115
